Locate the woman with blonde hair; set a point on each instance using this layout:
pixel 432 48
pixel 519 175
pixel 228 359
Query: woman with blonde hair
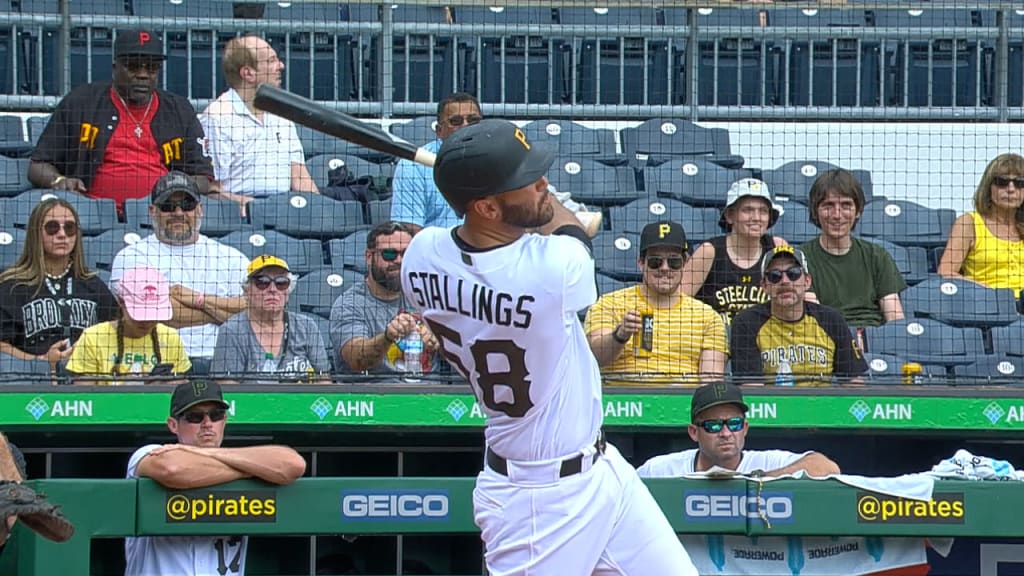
pixel 49 296
pixel 987 245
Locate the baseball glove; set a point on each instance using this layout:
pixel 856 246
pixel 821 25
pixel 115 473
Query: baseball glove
pixel 34 510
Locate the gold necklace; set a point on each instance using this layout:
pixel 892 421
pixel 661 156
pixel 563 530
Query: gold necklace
pixel 138 123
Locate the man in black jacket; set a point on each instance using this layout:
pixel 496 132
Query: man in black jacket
pixel 116 139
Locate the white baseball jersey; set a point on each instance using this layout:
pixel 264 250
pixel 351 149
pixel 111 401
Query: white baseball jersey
pixel 506 318
pixel 679 463
pixel 181 555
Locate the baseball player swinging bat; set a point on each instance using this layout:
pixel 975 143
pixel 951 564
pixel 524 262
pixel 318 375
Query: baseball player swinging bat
pixel 304 111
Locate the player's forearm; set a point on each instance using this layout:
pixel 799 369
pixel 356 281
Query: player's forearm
pixel 185 469
pixel 814 464
pixel 274 464
pixel 365 353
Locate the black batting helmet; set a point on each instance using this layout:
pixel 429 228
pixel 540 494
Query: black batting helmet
pixel 486 159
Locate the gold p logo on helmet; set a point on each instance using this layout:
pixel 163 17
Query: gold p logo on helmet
pixel 521 136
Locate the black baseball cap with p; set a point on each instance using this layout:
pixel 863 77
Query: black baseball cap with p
pixel 196 392
pixel 715 394
pixel 139 44
pixel 663 233
pixel 488 158
pixel 174 181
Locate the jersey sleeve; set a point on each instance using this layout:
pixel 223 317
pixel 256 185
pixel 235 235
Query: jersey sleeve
pixel 604 314
pixel 743 350
pixel 580 284
pixel 193 158
pixel 848 360
pixel 714 332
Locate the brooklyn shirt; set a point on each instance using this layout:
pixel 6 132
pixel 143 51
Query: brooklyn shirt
pixel 33 318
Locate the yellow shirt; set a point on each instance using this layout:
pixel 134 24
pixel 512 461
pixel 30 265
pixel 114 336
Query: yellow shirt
pixel 96 351
pixel 681 333
pixel 992 261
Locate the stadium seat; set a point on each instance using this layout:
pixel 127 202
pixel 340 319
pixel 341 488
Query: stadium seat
pixel 912 261
pixel 700 224
pixel 316 292
pixel 304 11
pixel 349 252
pixel 317 143
pixel 607 284
pixel 15 370
pixel 11 242
pixel 36 125
pixel 659 139
pixel 419 130
pixel 616 254
pixel 888 369
pixel 101 250
pixel 960 302
pixel 1008 339
pixel 302 256
pixel 572 139
pixel 220 217
pixel 906 223
pixel 307 216
pixel 926 341
pixel 795 225
pixel 792 181
pixel 378 211
pixel 320 167
pixel 592 182
pixel 95 216
pixel 992 369
pixel 698 181
pixel 13 176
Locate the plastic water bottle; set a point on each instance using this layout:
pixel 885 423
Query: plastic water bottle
pixel 269 365
pixel 784 375
pixel 412 350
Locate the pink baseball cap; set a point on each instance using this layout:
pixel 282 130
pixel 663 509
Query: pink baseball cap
pixel 146 294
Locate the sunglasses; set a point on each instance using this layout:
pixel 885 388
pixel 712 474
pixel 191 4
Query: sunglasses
pixel 186 205
pixel 459 120
pixel 391 254
pixel 794 273
pixel 655 262
pixel 715 426
pixel 263 282
pixel 1003 182
pixel 134 65
pixel 53 227
pixel 197 416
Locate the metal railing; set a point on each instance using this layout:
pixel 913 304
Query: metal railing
pixel 388 68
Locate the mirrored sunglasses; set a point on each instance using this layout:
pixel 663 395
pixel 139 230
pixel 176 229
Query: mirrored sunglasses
pixel 734 424
pixel 391 254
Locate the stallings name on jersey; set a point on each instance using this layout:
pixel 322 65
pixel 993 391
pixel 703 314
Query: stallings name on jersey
pixel 472 300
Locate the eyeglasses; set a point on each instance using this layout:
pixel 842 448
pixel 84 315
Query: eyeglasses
pixel 1004 181
pixel 197 416
pixel 53 227
pixel 186 205
pixel 794 273
pixel 674 262
pixel 734 424
pixel 262 282
pixel 391 254
pixel 469 120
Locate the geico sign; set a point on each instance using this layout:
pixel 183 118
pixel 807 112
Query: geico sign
pixel 737 505
pixel 394 504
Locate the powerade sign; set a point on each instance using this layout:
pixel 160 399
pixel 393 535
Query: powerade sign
pixel 395 505
pixel 736 505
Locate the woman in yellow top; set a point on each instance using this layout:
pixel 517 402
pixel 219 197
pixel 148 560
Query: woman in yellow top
pixel 987 245
pixel 138 345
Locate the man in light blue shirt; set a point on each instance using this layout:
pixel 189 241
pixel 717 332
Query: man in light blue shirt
pixel 415 199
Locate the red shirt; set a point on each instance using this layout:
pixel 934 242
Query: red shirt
pixel 132 162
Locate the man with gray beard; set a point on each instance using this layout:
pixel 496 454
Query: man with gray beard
pixel 370 320
pixel 206 276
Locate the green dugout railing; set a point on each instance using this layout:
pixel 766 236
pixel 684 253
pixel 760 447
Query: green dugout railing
pixel 114 508
pixel 997 409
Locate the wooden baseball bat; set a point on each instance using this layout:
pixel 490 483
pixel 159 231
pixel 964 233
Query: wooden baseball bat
pixel 313 115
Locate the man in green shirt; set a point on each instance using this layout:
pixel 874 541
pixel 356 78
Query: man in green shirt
pixel 858 278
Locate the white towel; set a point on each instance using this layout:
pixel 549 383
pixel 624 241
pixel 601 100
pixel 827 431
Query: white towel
pixel 966 466
pixel 909 486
